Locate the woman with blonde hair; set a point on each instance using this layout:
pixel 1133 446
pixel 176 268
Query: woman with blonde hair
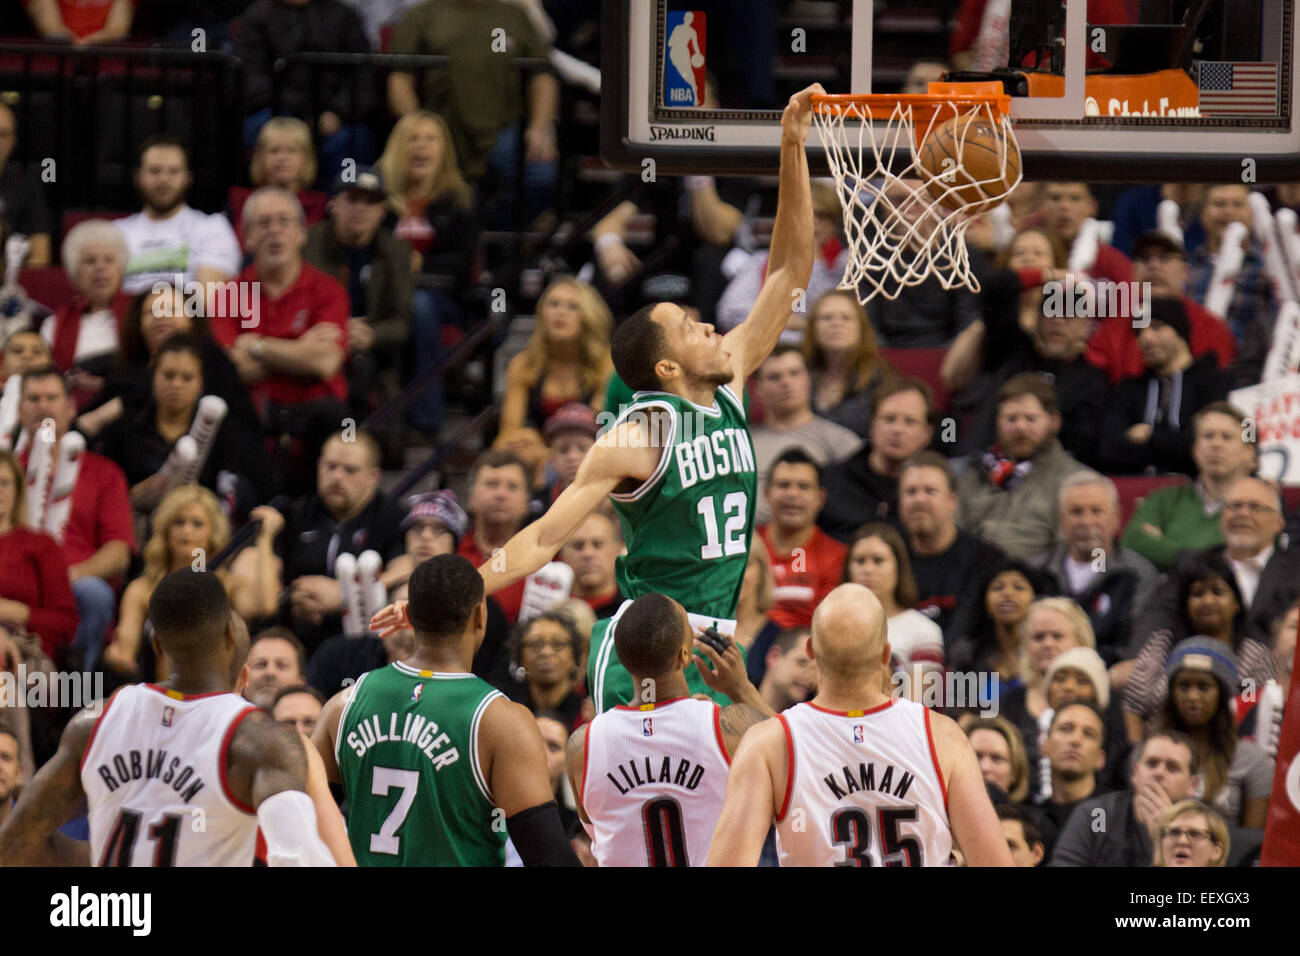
pixel 844 361
pixel 1051 626
pixel 432 209
pixel 566 358
pixel 1000 750
pixel 284 156
pixel 189 529
pixel 1191 834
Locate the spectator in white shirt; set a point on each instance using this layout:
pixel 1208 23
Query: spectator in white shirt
pixel 168 238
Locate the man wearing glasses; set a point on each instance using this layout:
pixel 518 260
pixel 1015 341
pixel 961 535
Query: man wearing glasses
pixel 1266 568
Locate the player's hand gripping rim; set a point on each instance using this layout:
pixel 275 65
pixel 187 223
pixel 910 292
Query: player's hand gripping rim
pixel 391 619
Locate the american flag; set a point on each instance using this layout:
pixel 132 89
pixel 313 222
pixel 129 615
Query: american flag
pixel 1237 89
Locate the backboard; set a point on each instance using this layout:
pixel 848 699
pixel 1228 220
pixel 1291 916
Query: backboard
pixel 1153 91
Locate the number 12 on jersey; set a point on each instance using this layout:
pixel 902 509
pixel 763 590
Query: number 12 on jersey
pixel 734 510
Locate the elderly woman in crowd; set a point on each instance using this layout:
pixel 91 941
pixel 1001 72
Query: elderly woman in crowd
pixel 546 651
pixel 84 335
pixel 1191 834
pixel 1236 775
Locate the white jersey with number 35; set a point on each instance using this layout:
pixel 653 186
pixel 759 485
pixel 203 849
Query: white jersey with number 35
pixel 654 781
pixel 154 773
pixel 864 789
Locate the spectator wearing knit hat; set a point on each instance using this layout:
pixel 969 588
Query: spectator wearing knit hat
pixel 569 434
pixel 1236 775
pixel 1080 674
pixel 1149 425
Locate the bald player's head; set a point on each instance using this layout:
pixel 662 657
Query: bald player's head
pixel 651 635
pixel 848 634
pixel 190 613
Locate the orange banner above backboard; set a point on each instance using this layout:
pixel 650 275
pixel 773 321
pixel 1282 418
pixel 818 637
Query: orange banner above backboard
pixel 1166 93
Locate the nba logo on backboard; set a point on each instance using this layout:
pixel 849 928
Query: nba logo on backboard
pixel 647 726
pixel 859 735
pixel 684 59
pixel 415 694
pixel 168 714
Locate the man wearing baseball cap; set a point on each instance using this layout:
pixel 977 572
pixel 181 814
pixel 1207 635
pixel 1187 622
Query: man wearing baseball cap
pixel 569 433
pixel 1149 424
pixel 373 265
pixel 1160 260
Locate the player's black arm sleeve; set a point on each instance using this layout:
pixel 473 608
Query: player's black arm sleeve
pixel 539 837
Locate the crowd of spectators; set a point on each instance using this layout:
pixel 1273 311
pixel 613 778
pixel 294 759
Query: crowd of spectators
pixel 1114 650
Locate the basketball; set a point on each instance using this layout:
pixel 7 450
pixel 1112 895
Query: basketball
pixel 697 61
pixel 965 156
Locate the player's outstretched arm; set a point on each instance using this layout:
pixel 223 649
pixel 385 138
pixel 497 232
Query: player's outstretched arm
pixel 623 452
pixel 514 758
pixel 752 797
pixel 726 673
pixel 975 827
pixel 30 835
pixel 790 256
pixel 267 769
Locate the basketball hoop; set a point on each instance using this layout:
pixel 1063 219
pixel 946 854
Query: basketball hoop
pixel 912 172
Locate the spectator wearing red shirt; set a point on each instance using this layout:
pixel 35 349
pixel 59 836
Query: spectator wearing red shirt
pixel 1162 261
pixel 1065 207
pixel 98 538
pixel 290 351
pixel 806 562
pixel 498 503
pixel 591 551
pixel 34 589
pixel 84 22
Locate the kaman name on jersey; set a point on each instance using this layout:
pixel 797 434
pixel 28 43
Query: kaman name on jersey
pixel 685 774
pixel 416 730
pixel 133 765
pixel 864 778
pixel 722 452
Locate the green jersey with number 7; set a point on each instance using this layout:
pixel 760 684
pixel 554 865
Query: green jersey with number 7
pixel 687 528
pixel 407 750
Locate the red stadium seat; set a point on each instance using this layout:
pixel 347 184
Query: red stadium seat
pixel 1132 489
pixel 75 217
pixel 1292 496
pixel 50 286
pixel 923 364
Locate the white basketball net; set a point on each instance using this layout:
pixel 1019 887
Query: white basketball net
pixel 900 233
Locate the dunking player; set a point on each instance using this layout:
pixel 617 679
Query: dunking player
pixel 651 779
pixel 678 463
pixel 437 764
pixel 854 777
pixel 158 753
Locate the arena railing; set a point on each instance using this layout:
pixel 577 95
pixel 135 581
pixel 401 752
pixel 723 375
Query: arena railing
pixel 82 112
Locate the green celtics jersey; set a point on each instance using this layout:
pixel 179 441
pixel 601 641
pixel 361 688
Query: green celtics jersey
pixel 407 750
pixel 688 527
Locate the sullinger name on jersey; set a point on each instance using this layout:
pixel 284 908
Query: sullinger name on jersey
pixel 864 778
pixel 685 775
pixel 416 730
pixel 717 453
pixel 133 765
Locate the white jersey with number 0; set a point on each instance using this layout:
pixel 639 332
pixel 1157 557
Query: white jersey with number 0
pixel 654 779
pixel 864 789
pixel 154 773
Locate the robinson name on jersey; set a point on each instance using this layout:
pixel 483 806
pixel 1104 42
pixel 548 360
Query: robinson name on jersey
pixel 134 765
